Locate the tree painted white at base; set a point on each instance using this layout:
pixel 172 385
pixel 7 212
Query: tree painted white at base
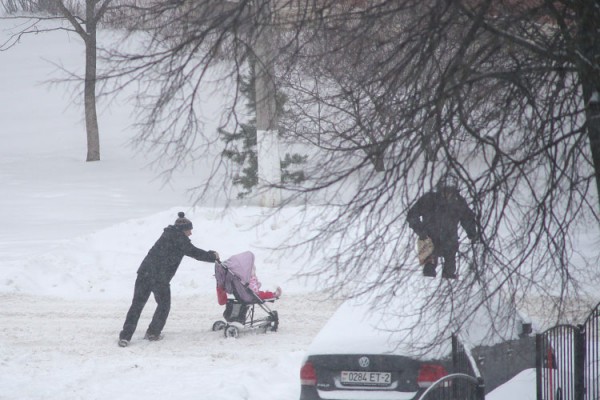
pixel 269 167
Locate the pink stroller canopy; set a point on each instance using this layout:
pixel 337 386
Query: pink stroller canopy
pixel 236 279
pixel 241 265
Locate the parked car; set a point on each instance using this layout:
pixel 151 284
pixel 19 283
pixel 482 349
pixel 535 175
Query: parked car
pixel 362 353
pixel 355 357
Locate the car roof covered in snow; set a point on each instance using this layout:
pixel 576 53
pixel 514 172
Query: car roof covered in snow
pixel 357 328
pixel 402 326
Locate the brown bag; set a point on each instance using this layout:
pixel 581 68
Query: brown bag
pixel 424 249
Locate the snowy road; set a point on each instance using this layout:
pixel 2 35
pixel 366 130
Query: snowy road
pixel 54 348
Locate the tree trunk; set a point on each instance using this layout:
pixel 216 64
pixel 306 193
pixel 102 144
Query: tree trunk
pixel 269 163
pixel 91 118
pixel 589 45
pixel 593 127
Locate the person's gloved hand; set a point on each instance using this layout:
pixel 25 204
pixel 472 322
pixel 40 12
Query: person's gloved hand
pixel 215 254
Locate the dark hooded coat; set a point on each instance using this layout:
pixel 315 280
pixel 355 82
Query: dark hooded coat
pixel 163 259
pixel 437 215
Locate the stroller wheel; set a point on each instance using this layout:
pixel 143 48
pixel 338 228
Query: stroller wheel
pixel 232 331
pixel 219 326
pixel 275 321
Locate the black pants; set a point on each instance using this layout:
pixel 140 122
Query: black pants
pixel 141 293
pixel 446 250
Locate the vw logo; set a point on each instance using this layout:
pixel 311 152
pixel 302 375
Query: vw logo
pixel 364 362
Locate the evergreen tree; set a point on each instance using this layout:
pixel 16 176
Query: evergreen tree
pixel 240 146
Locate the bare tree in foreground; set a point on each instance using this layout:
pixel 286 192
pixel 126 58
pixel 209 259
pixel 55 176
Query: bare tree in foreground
pixel 86 26
pixel 391 95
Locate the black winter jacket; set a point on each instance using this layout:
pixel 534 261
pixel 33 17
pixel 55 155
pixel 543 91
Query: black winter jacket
pixel 163 259
pixel 437 216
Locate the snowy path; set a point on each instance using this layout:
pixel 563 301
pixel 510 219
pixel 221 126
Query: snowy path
pixel 53 348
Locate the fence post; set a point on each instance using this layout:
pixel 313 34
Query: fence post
pixel 580 350
pixel 480 391
pixel 454 352
pixel 455 361
pixel 538 366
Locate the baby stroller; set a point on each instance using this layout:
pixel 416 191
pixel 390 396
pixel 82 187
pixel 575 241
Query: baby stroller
pixel 241 300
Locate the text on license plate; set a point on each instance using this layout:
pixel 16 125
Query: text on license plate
pixel 366 378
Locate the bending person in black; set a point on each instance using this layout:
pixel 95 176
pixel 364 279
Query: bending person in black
pixel 436 215
pixel 155 274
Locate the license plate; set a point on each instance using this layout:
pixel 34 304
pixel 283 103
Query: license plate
pixel 366 378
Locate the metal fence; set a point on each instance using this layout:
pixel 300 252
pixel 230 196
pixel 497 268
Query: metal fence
pixel 567 361
pixel 456 387
pixel 558 355
pixel 464 383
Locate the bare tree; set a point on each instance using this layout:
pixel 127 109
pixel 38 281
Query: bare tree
pixel 85 24
pixel 86 28
pixel 391 95
pixel 500 93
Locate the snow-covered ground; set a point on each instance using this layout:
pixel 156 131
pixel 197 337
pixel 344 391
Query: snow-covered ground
pixel 72 235
pixel 60 348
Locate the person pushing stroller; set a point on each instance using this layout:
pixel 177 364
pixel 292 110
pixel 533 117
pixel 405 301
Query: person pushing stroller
pixel 436 216
pixel 154 276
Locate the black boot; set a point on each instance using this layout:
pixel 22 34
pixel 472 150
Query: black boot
pixel 449 268
pixel 153 337
pixel 449 274
pixel 429 270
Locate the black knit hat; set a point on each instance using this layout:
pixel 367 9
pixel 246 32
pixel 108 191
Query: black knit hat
pixel 182 223
pixel 448 182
